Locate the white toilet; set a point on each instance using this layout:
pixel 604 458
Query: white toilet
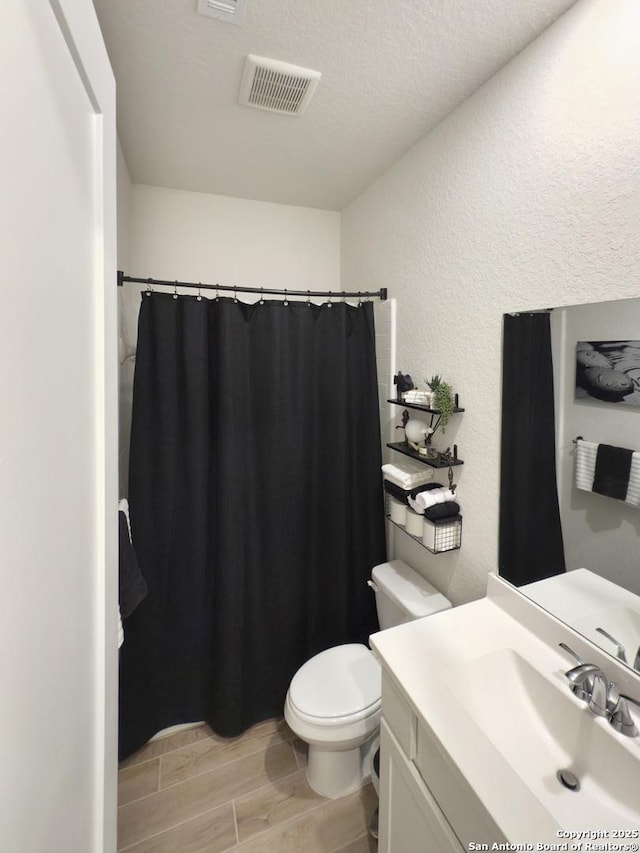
pixel 334 699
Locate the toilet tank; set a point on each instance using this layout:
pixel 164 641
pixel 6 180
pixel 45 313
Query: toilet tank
pixel 403 595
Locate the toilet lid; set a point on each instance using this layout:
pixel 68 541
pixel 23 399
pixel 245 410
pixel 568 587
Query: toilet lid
pixel 338 682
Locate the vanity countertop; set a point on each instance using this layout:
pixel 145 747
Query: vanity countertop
pixel 464 670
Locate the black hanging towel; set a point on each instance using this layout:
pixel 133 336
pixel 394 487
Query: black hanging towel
pixel 613 465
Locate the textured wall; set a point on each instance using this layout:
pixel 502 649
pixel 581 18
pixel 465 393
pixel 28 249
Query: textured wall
pixel 526 196
pixel 201 237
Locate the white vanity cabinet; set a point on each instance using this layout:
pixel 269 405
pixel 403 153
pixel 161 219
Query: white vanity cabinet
pixel 477 720
pixel 410 819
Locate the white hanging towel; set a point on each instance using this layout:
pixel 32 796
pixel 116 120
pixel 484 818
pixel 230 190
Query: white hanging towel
pixel 633 489
pixel 586 458
pixel 586 452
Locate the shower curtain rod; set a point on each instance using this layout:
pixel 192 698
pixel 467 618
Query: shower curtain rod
pixel 342 294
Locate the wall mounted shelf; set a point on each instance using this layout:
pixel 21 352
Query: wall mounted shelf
pixel 401 447
pixel 421 408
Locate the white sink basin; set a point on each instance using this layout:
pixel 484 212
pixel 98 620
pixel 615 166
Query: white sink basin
pixel 539 727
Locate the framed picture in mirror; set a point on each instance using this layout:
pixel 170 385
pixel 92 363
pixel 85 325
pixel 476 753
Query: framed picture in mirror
pixel 608 371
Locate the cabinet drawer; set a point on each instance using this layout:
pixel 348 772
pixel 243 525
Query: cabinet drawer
pixel 399 716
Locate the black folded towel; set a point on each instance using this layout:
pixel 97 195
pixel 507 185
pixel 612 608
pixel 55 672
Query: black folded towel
pixel 612 471
pixel 443 510
pixel 402 495
pixel 396 492
pixel 133 586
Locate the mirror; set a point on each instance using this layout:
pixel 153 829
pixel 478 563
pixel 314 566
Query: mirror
pixel 599 594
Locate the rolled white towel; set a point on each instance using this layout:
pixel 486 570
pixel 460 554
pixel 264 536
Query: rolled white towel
pixel 423 500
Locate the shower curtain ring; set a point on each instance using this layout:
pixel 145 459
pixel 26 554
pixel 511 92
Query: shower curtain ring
pixel 262 296
pixel 286 301
pixel 199 293
pixel 149 289
pixel 344 295
pixel 359 298
pixel 309 298
pixel 217 293
pixel 235 294
pixel 175 289
pixel 329 304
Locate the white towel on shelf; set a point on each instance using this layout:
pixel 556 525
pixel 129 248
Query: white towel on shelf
pixel 423 500
pixel 586 455
pixel 407 475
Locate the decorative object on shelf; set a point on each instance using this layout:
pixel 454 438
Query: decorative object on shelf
pixel 405 421
pixel 418 432
pixel 442 399
pixel 449 460
pixel 403 382
pixel 429 450
pixel 433 384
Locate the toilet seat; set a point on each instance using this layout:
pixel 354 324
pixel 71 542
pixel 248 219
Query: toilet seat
pixel 338 686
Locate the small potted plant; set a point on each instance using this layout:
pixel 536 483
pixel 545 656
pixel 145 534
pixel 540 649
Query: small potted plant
pixel 441 399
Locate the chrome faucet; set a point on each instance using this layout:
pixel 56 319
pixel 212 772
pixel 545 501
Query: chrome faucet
pixel 620 649
pixel 589 683
pixel 621 653
pixel 620 716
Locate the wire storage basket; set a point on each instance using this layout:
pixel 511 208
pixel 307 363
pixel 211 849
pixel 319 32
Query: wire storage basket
pixel 445 534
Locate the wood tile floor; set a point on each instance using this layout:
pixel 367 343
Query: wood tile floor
pixel 195 792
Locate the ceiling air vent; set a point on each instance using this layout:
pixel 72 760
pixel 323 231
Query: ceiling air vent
pixel 231 11
pixel 277 86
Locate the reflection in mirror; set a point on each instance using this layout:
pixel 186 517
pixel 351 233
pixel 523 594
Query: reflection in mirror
pixel 530 543
pixel 578 555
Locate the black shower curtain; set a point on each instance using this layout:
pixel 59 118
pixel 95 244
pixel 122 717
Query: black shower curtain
pixel 531 546
pixel 255 503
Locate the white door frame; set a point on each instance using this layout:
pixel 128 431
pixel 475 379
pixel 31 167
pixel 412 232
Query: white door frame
pixel 80 29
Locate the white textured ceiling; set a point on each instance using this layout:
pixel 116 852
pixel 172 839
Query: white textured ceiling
pixel 391 70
